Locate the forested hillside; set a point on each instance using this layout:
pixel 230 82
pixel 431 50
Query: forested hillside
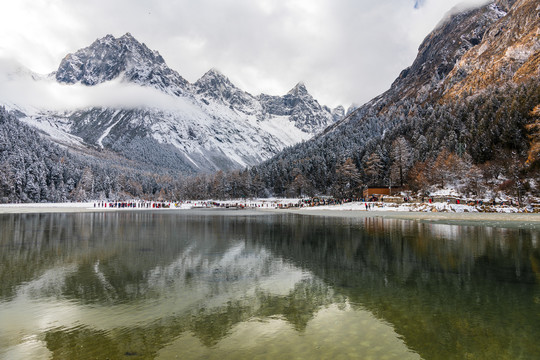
pixel 33 169
pixel 485 135
pixel 481 144
pixel 464 116
pixel 425 134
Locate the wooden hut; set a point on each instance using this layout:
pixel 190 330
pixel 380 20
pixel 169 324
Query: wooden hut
pixel 381 190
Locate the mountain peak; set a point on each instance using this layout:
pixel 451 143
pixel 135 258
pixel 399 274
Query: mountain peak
pixel 214 72
pixel 216 86
pixel 109 58
pixel 128 36
pixel 107 38
pixel 213 78
pixel 128 40
pixel 298 90
pixel 215 75
pixel 111 41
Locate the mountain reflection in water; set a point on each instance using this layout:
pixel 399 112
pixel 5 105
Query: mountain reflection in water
pixel 202 284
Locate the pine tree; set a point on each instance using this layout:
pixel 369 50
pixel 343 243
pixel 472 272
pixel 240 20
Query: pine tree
pixel 419 176
pixel 348 180
pixel 401 156
pixel 374 168
pixel 300 186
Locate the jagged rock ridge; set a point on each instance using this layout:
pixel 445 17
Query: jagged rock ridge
pixel 109 58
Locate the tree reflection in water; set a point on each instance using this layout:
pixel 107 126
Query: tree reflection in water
pixel 126 283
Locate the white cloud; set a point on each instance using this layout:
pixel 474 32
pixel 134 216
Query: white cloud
pixel 22 88
pixel 344 50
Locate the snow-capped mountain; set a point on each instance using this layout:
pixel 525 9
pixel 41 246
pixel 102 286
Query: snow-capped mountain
pixel 301 108
pixel 153 115
pixel 125 58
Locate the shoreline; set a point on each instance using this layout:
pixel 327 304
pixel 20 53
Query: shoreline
pixel 65 208
pixel 418 215
pixel 473 217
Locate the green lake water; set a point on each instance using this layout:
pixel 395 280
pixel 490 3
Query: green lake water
pixel 250 285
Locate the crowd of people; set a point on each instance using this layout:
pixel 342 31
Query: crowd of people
pixel 138 204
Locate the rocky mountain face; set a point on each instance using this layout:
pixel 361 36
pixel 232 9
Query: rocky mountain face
pixel 470 49
pixel 206 126
pixel 301 107
pixel 455 35
pixel 509 51
pixel 125 58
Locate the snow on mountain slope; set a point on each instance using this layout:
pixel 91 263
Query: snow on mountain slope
pixel 57 128
pixel 121 96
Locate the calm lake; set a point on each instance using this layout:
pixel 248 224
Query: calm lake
pixel 252 285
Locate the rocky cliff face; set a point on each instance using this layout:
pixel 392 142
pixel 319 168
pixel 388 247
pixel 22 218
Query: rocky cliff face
pixel 473 49
pixel 299 106
pixel 460 31
pixel 469 50
pixel 509 51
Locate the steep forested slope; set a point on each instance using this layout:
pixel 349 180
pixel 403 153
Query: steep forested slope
pixel 424 125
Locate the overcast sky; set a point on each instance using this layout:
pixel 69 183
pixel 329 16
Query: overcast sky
pixel 345 51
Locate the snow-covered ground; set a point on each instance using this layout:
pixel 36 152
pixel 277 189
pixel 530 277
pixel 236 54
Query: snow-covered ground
pixel 433 211
pixel 418 207
pixel 377 206
pixel 272 203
